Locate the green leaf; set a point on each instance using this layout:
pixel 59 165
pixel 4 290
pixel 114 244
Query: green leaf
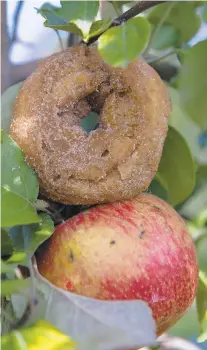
pixel 198 228
pixel 16 210
pixel 202 337
pixel 19 185
pixel 202 173
pixel 17 176
pixel 195 203
pixel 7 268
pixel 176 171
pixel 74 16
pixel 165 37
pixel 118 6
pixel 97 28
pixel 41 335
pixel 180 120
pixel 6 243
pixel 201 219
pixel 9 287
pixel 198 3
pixel 182 16
pixel 120 3
pixel 55 19
pixel 7 103
pixel 81 13
pixel 108 12
pixel 193 83
pixel 201 302
pixel 158 190
pixel 16 258
pixel 205 14
pixel 27 238
pixel 120 45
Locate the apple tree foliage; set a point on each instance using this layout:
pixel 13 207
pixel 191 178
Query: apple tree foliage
pixel 31 307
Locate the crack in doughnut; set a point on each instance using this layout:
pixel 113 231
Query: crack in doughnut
pixel 117 160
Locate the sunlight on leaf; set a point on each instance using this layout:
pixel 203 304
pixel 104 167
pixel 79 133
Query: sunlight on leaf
pixel 19 185
pixel 16 258
pixel 16 174
pixel 118 46
pixel 81 13
pixel 41 335
pixel 14 286
pixel 97 28
pixel 73 16
pixel 16 210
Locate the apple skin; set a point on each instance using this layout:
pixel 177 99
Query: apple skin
pixel 135 249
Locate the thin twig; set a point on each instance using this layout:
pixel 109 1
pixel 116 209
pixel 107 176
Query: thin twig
pixel 72 39
pixel 16 20
pixel 132 12
pixel 7 316
pixel 161 57
pixel 26 315
pixel 60 40
pixel 33 301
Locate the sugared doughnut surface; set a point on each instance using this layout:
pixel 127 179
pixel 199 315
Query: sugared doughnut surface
pixel 117 160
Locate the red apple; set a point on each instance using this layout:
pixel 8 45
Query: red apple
pixel 135 249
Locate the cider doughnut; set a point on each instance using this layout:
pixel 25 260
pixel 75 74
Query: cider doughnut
pixel 114 162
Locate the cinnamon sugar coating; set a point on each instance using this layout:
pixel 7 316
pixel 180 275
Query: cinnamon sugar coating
pixel 117 160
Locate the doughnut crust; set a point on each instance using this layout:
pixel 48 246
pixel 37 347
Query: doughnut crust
pixel 117 160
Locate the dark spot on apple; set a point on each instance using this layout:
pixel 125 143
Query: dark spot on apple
pixel 141 234
pixel 71 255
pixel 158 208
pixel 112 242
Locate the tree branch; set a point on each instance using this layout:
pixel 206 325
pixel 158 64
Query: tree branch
pixel 132 12
pixel 60 40
pixel 72 39
pixel 160 58
pixel 26 315
pixel 16 19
